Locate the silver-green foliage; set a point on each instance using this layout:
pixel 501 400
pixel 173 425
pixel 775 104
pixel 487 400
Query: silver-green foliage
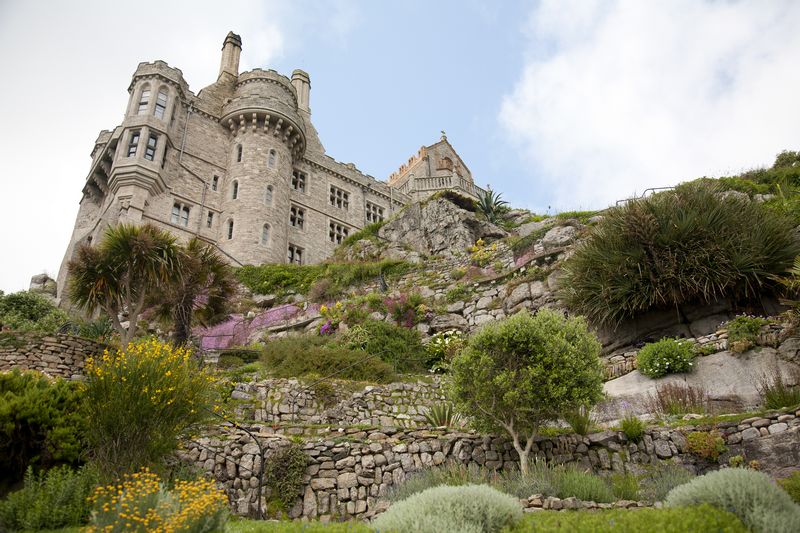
pixel 750 495
pixel 467 509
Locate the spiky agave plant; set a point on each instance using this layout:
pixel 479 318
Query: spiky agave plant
pixel 491 205
pixel 442 415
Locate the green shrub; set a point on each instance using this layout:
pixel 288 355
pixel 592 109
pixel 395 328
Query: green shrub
pixel 141 502
pixel 140 401
pixel 370 232
pixel 49 500
pixel 580 419
pixel 750 495
pixel 662 478
pixel 667 356
pixel 458 293
pixel 467 509
pixel 407 309
pixel 283 475
pixel 791 485
pixel 464 202
pixel 400 347
pixel 230 361
pixel 571 481
pixel 702 518
pixel 625 486
pixel 633 427
pixel 443 347
pixel 302 355
pixel 99 330
pixel 28 311
pixel 457 273
pixel 706 445
pixel 41 423
pixel 672 248
pixel 743 332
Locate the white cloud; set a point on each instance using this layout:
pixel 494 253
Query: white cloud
pixel 619 96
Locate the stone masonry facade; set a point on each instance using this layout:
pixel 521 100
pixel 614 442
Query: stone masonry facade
pixel 240 166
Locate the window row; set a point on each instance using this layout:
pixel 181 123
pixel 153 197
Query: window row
pixel 149 149
pixel 266 230
pixel 161 102
pixel 268 195
pixel 272 157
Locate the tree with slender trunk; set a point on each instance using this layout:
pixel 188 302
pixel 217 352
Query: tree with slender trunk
pixel 202 292
pixel 121 274
pixel 519 373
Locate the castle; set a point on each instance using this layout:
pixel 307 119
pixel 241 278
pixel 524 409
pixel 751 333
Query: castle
pixel 240 166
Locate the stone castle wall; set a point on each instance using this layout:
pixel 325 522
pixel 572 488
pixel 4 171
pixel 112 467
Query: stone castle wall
pixel 350 475
pixel 55 355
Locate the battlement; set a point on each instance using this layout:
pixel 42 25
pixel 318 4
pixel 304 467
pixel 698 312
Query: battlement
pixel 413 160
pixel 160 69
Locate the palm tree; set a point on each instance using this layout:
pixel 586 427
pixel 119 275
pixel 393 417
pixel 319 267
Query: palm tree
pixel 120 275
pixel 203 291
pixel 491 205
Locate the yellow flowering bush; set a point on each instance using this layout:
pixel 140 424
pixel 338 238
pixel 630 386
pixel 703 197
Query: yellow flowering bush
pixel 480 254
pixel 140 502
pixel 140 401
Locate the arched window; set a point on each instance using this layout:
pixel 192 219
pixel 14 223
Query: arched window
pixel 268 196
pixel 238 153
pixel 271 159
pixel 144 100
pixel 161 103
pixel 265 234
pixel 234 190
pixel 230 229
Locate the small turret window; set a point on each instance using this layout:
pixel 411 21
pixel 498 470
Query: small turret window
pixel 210 219
pixel 144 101
pixel 230 229
pixel 234 190
pixel 271 159
pixel 133 144
pixel 161 103
pixel 265 234
pixel 268 196
pixel 239 153
pixel 150 149
pixel 214 183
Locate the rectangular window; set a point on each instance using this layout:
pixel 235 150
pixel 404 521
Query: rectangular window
pixel 295 255
pixel 161 104
pixel 209 219
pixel 299 181
pixel 297 217
pixel 164 157
pixel 144 101
pixel 215 183
pixel 339 198
pixel 374 213
pixel 133 144
pixel 337 233
pixel 150 149
pixel 180 214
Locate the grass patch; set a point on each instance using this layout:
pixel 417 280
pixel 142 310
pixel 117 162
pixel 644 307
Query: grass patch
pixel 369 232
pixel 581 216
pixel 678 520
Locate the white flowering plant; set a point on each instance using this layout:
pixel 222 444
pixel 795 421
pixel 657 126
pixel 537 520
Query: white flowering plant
pixel 667 356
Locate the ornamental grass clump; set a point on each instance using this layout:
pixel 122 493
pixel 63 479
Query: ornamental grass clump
pixel 667 356
pixel 141 503
pixel 752 496
pixel 692 244
pixel 140 400
pixel 467 509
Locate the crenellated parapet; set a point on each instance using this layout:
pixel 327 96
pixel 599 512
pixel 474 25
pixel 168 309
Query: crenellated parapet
pixel 160 70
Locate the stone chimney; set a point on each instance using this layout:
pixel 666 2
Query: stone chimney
pixel 231 49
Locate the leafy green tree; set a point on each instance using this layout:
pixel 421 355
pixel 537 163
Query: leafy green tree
pixel 786 159
pixel 28 311
pixel 491 205
pixel 202 291
pixel 122 273
pixel 518 373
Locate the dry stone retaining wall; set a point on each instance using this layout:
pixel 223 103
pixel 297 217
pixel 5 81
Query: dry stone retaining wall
pixel 350 475
pixel 55 355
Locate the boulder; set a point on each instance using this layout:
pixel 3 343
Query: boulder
pixel 438 227
pixel 559 236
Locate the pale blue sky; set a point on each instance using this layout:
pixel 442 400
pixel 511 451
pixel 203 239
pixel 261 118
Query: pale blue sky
pixel 571 104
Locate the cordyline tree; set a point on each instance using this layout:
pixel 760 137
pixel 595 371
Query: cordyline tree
pixel 519 373
pixel 135 268
pixel 202 291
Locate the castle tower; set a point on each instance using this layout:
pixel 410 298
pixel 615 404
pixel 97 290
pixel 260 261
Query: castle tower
pixel 267 137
